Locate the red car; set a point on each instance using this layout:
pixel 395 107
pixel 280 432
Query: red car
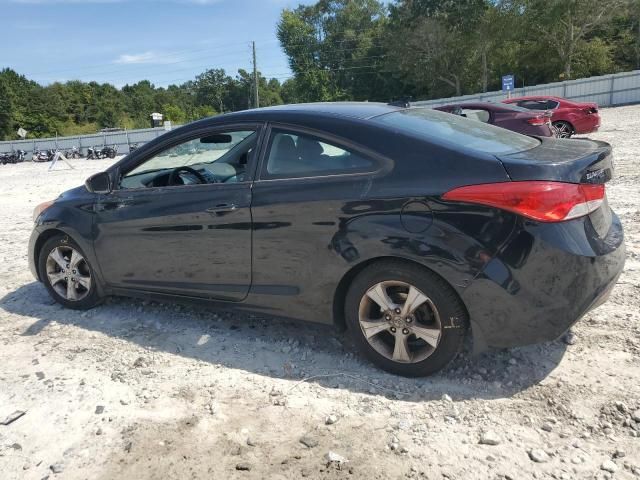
pixel 568 117
pixel 510 117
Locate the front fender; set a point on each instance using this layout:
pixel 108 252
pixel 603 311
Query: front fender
pixel 74 219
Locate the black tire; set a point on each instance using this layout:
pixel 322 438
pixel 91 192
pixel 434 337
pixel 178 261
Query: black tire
pixel 92 298
pixel 563 129
pixel 452 314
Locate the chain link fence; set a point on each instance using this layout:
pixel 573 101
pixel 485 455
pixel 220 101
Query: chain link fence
pixel 121 139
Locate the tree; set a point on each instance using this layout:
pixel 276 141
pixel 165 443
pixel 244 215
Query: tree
pixel 6 111
pixel 446 39
pixel 334 49
pixel 211 88
pixel 174 113
pixel 564 24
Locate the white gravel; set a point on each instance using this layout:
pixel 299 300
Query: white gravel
pixel 191 392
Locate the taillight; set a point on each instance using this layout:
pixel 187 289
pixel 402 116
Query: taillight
pixel 537 121
pixel 539 200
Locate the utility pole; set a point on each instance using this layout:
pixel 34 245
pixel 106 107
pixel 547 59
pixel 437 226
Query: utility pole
pixel 256 97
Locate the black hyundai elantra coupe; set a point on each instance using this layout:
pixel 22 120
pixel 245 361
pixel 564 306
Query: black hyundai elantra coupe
pixel 406 225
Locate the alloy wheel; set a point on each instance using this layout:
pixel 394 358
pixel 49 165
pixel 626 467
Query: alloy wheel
pixel 563 130
pixel 68 273
pixel 400 322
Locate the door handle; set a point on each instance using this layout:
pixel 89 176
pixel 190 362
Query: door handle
pixel 222 208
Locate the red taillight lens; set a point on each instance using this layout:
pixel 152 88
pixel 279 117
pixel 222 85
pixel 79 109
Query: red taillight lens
pixel 538 200
pixel 537 121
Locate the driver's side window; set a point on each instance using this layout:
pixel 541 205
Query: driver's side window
pixel 214 158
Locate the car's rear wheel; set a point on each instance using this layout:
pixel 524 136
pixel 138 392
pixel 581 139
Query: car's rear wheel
pixel 404 318
pixel 67 274
pixel 563 129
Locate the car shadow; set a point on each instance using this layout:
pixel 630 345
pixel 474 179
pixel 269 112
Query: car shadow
pixel 284 349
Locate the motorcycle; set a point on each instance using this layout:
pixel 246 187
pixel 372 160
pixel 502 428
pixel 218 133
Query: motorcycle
pixel 73 152
pixel 104 152
pixel 41 156
pixel 16 156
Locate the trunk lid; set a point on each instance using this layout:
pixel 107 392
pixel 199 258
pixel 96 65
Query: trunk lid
pixel 572 161
pixel 589 107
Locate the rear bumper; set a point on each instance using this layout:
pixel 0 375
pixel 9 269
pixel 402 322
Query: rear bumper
pixel 587 124
pixel 543 281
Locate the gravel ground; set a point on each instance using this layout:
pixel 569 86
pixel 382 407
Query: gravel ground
pixel 135 389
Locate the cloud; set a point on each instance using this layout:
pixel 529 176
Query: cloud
pixel 54 2
pixel 146 57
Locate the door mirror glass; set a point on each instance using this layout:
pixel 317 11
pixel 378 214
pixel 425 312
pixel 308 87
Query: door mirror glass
pixel 99 183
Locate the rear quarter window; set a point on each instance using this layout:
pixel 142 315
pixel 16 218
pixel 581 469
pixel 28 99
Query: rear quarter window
pixel 444 128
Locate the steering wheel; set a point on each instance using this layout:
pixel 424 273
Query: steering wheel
pixel 175 174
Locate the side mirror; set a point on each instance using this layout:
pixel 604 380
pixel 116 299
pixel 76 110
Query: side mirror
pixel 99 183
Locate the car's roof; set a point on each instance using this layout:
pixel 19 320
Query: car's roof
pixel 496 107
pixel 536 97
pixel 359 110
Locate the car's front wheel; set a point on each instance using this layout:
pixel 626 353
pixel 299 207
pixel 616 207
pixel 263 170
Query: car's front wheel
pixel 404 318
pixel 67 274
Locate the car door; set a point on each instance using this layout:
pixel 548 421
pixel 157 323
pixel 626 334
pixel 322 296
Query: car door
pixel 182 235
pixel 303 196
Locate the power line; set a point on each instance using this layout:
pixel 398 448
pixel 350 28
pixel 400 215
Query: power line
pixel 309 42
pixel 161 56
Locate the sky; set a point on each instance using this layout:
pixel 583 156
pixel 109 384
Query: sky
pixel 124 41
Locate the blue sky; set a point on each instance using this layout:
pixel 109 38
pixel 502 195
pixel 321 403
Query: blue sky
pixel 123 41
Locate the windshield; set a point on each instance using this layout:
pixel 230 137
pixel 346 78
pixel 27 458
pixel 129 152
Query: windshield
pixel 455 130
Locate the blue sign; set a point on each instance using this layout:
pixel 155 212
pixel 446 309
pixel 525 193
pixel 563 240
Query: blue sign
pixel 508 83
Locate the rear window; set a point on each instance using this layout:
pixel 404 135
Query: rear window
pixel 442 127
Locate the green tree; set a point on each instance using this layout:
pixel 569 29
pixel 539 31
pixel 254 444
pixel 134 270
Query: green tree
pixel 211 88
pixel 174 113
pixel 564 24
pixel 6 111
pixel 334 49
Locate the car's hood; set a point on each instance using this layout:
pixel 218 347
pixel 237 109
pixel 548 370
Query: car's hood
pixel 75 193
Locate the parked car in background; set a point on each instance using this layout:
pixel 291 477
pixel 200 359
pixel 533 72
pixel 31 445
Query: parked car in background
pixel 567 117
pixel 510 117
pixel 409 226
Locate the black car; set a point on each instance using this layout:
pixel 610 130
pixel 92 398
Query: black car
pixel 406 225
